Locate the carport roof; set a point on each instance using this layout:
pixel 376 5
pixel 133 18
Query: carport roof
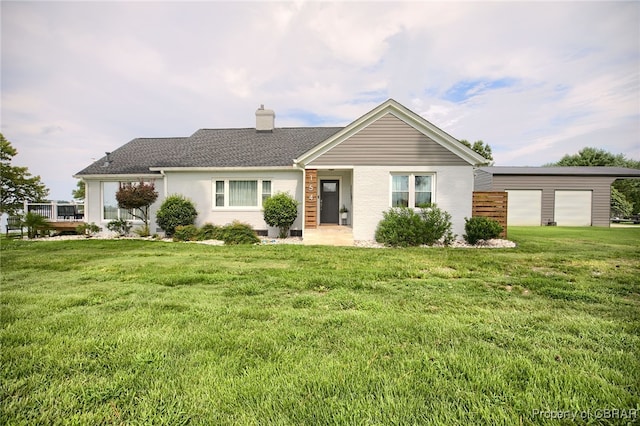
pixel 563 171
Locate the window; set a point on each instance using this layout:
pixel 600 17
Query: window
pixel 219 193
pixel 110 209
pixel 266 189
pixel 241 193
pixel 411 190
pixel 400 191
pixel 329 186
pixel 422 190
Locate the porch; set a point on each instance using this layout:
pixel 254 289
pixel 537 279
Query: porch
pixel 60 217
pixel 328 198
pixel 329 235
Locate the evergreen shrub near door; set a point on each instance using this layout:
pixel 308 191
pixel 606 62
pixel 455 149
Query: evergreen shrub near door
pixel 405 227
pixel 280 210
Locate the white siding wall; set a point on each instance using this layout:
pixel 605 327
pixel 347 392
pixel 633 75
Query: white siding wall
pixel 198 187
pixel 371 195
pixel 93 202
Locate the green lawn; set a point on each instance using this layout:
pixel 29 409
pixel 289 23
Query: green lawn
pixel 143 332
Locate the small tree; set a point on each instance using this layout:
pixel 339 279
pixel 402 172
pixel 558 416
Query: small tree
pixel 280 210
pixel 137 198
pixel 17 184
pixel 176 210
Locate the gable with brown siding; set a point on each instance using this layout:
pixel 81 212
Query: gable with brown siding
pixel 388 141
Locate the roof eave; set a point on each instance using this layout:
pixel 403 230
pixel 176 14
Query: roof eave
pixel 117 175
pixel 215 169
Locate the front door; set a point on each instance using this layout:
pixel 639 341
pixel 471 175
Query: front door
pixel 329 201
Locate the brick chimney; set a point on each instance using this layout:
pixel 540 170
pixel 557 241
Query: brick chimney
pixel 265 120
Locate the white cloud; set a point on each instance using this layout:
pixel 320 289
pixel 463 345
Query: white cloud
pixel 79 79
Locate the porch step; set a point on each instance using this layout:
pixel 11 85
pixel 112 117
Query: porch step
pixel 329 235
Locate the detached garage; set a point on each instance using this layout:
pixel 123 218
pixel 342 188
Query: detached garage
pixel 566 196
pixel 573 208
pixel 524 207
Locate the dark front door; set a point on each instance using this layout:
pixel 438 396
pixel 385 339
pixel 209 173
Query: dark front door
pixel 329 201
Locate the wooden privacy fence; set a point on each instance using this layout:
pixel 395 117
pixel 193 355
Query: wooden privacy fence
pixel 491 204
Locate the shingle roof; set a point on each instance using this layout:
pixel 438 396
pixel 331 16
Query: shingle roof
pixel 563 171
pixel 212 148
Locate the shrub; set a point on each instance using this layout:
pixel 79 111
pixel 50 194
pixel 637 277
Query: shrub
pixel 185 233
pixel 176 210
pixel 405 227
pixel 121 226
pixel 239 233
pixel 210 232
pixel 481 228
pixel 437 226
pixel 399 227
pixel 35 224
pixel 88 229
pixel 280 210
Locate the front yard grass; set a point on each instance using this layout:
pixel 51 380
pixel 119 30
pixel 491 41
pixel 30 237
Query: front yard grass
pixel 140 332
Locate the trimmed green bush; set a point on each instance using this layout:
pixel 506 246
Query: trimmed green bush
pixel 210 232
pixel 436 226
pixel 405 227
pixel 481 228
pixel 175 210
pixel 399 227
pixel 280 210
pixel 185 233
pixel 232 234
pixel 239 233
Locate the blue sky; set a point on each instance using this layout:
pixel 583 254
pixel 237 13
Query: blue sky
pixel 534 80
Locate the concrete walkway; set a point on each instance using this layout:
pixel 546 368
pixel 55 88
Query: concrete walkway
pixel 329 235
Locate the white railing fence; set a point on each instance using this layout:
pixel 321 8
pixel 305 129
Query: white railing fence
pixel 54 212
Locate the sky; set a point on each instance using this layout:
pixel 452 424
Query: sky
pixel 534 80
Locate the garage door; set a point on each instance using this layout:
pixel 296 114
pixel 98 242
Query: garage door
pixel 524 207
pixel 573 208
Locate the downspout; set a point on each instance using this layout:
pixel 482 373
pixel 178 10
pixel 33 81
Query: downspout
pixel 165 184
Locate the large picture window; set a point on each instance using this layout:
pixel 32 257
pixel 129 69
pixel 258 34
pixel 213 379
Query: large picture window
pixel 411 190
pixel 110 209
pixel 240 193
